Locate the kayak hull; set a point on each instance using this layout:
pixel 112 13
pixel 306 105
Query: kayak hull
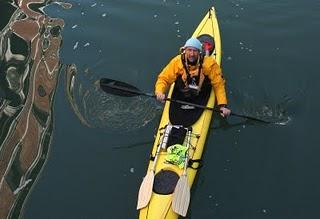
pixel 159 206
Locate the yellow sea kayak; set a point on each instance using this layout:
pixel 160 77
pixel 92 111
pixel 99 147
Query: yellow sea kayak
pixel 165 172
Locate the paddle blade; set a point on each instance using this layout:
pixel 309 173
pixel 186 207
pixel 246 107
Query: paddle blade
pixel 118 88
pixel 181 196
pixel 145 190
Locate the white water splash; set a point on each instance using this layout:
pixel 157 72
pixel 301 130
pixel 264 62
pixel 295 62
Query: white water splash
pixel 284 122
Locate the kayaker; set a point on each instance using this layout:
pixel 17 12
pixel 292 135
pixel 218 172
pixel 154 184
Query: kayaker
pixel 184 70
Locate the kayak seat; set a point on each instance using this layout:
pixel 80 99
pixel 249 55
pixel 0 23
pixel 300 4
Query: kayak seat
pixel 207 42
pixel 165 182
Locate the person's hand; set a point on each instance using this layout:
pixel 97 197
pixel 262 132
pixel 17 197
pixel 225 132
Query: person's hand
pixel 224 111
pixel 160 97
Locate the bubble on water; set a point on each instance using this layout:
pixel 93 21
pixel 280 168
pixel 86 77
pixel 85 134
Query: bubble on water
pixel 75 45
pixel 94 4
pixel 104 15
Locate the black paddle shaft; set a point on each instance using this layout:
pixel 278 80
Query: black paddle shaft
pixel 127 90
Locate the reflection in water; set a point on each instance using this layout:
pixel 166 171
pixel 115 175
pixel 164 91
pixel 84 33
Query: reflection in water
pixel 29 52
pixel 97 109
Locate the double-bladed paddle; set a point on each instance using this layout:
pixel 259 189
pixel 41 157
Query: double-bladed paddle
pixel 127 90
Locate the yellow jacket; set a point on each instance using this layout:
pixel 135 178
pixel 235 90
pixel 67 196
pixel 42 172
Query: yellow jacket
pixel 210 68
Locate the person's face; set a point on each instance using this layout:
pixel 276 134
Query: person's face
pixel 191 54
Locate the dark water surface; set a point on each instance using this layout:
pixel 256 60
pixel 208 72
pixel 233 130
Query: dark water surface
pixel 251 170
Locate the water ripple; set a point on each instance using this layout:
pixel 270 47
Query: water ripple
pixel 97 109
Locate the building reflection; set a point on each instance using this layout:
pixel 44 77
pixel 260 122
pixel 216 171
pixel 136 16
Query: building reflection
pixel 29 69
